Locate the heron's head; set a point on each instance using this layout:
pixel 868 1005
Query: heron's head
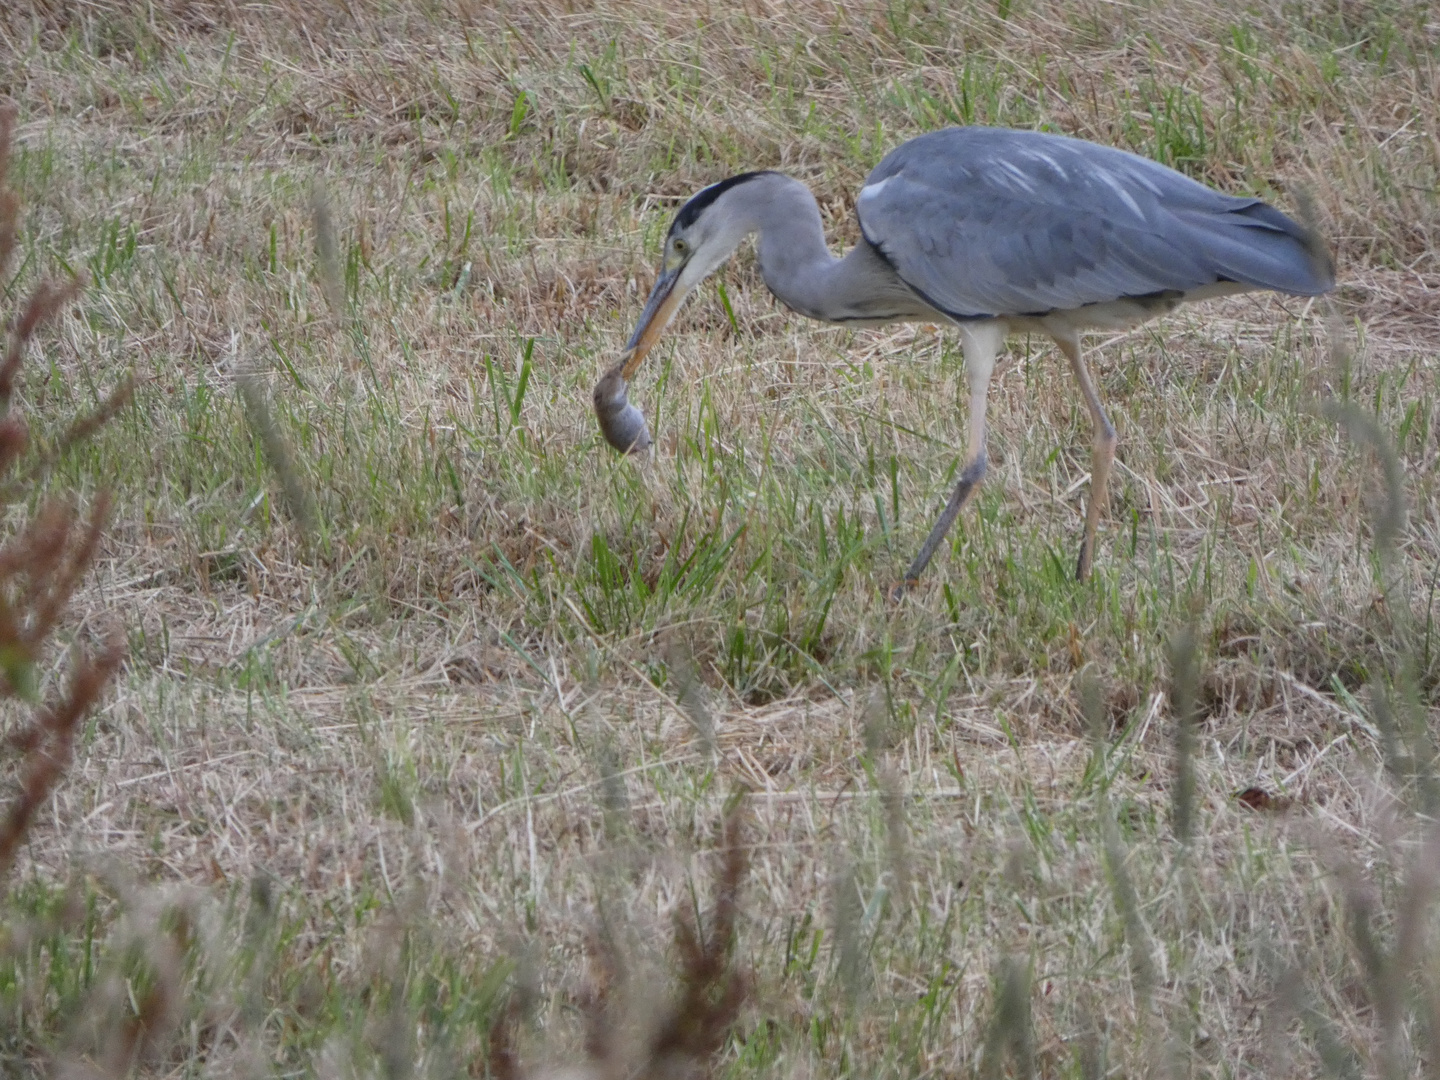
pixel 705 233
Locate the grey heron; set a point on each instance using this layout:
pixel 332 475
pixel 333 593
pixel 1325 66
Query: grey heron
pixel 990 231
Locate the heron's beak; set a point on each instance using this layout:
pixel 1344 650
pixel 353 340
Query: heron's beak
pixel 622 423
pixel 660 308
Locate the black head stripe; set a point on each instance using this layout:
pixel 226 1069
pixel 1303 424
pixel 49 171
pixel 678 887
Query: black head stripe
pixel 703 198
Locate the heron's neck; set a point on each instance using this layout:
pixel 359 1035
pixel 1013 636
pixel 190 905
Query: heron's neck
pixel 797 265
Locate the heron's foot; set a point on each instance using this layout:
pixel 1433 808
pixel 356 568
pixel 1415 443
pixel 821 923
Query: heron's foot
pixel 1083 563
pixel 903 588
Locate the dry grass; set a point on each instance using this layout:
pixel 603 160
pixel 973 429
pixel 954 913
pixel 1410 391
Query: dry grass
pixel 422 680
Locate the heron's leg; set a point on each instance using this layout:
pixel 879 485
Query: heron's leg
pixel 1103 455
pixel 981 342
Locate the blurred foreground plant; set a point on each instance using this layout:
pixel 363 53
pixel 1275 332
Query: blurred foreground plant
pixel 628 1034
pixel 41 563
pixel 1379 1013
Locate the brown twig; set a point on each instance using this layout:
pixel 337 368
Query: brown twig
pixel 80 429
pixel 711 990
pixel 9 224
pixel 606 972
pixel 45 302
pixel 9 201
pixel 14 437
pixel 51 738
pixel 50 560
pixel 697 1022
pixel 42 564
pixel 503 1059
pixel 83 427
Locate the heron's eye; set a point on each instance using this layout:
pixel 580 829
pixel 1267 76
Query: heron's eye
pixel 681 247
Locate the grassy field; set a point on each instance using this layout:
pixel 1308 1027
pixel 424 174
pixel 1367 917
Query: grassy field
pixel 424 683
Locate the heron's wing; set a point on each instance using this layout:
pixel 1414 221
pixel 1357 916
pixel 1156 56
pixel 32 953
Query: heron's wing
pixel 988 221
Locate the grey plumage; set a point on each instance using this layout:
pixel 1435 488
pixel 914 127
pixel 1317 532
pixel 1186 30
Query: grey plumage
pixel 992 231
pixel 986 222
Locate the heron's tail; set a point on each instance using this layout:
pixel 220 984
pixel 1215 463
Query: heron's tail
pixel 1259 246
